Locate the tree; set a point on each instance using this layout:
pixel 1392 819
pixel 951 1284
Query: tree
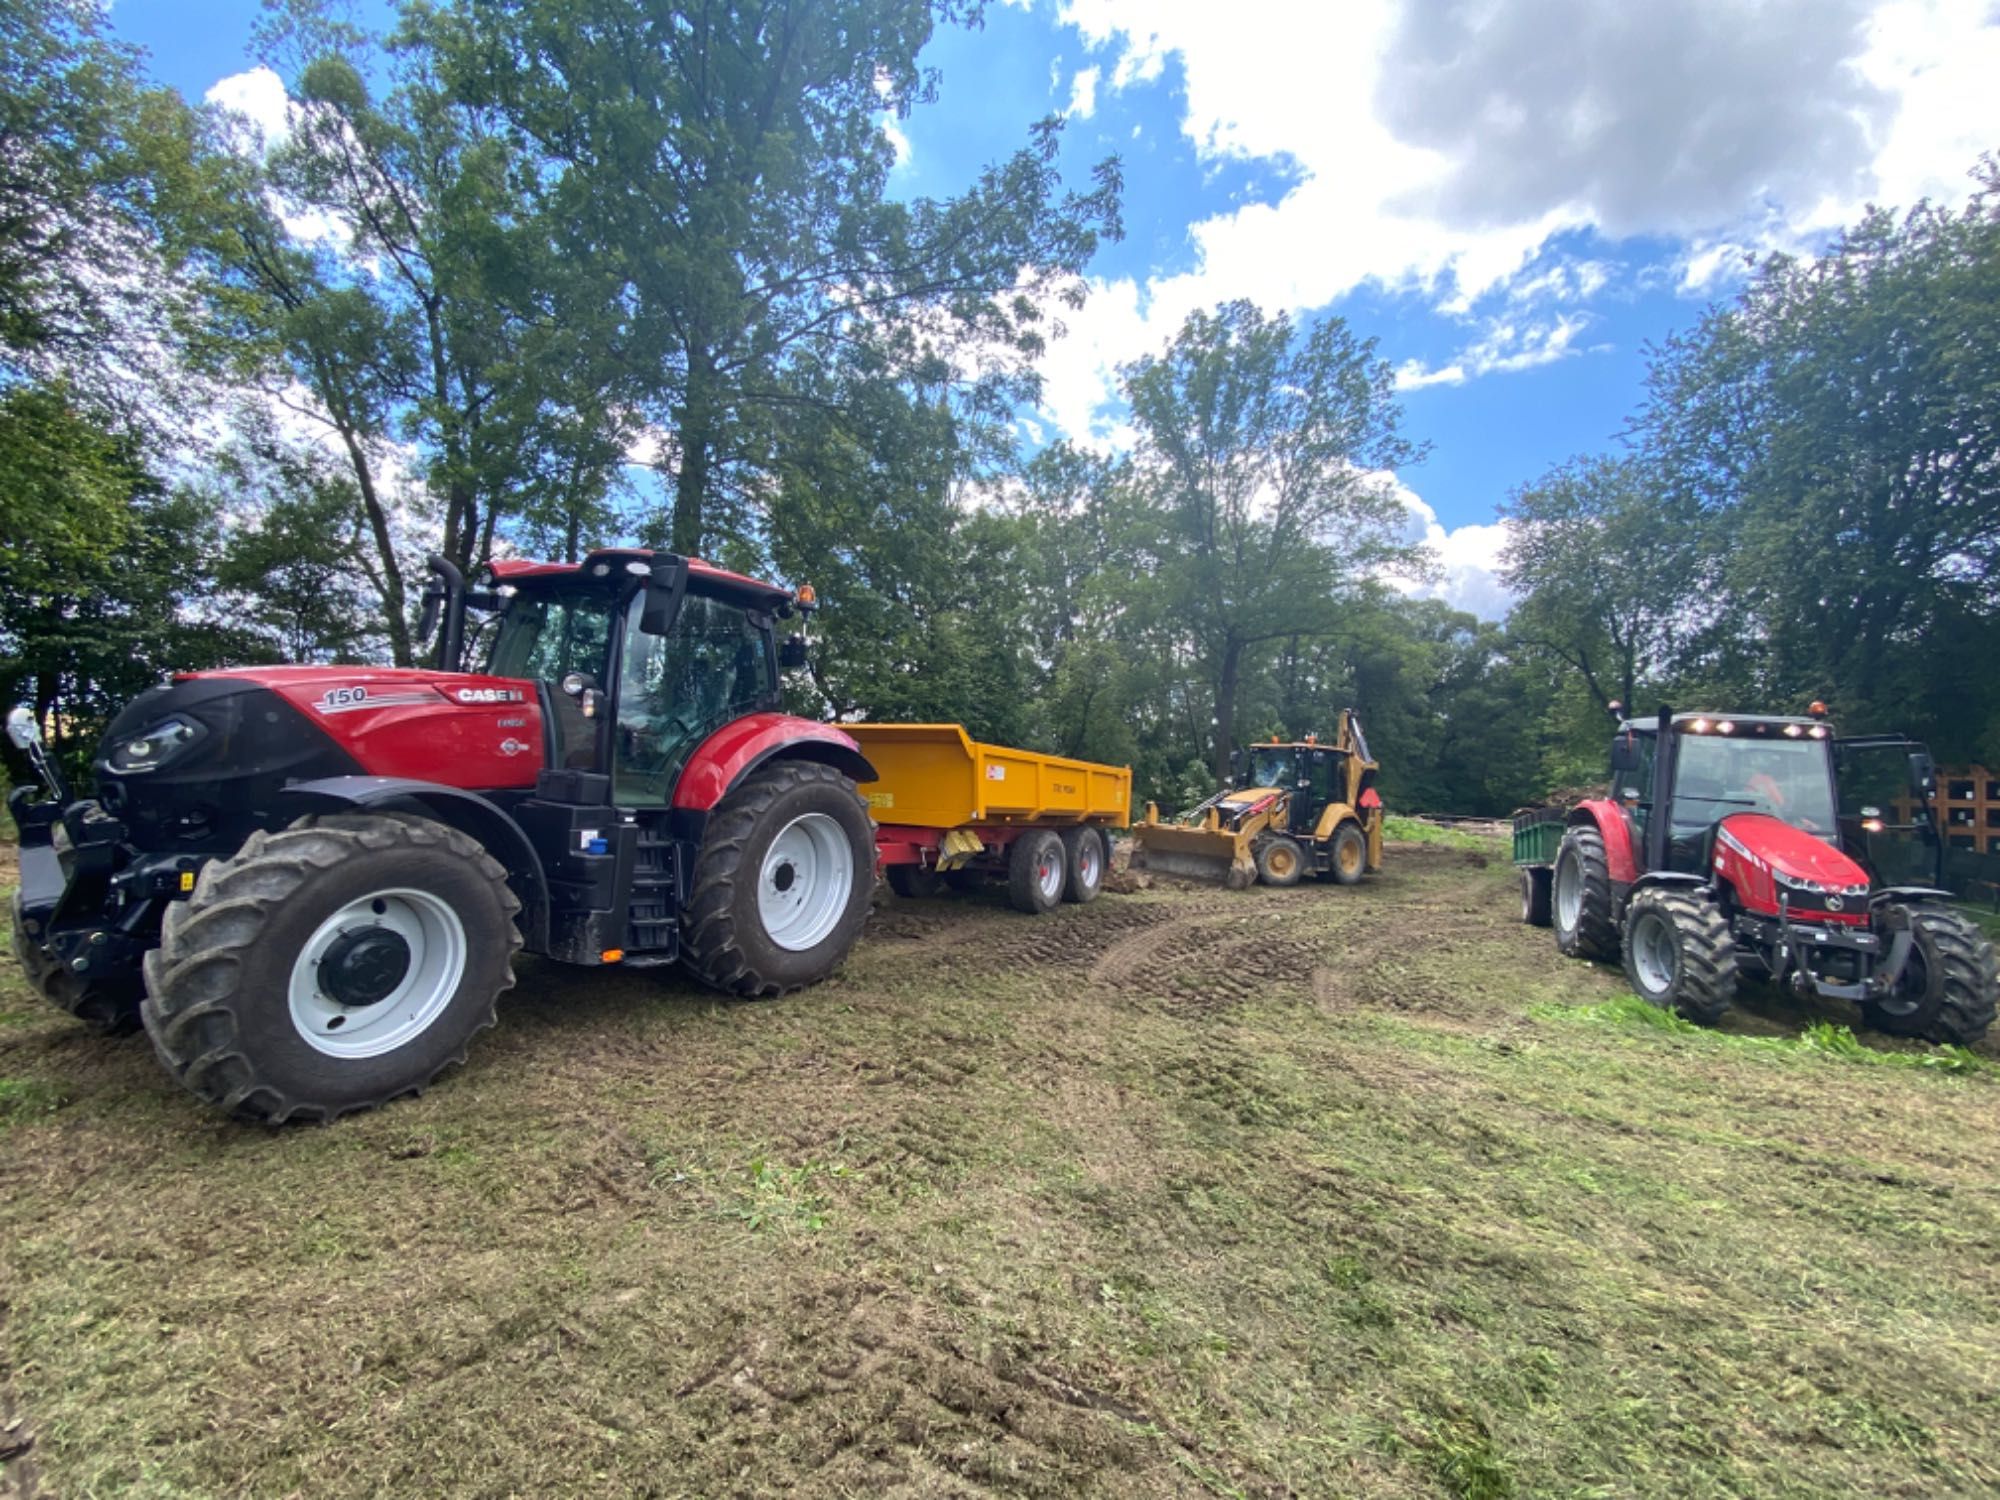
pixel 1838 430
pixel 1260 504
pixel 1612 576
pixel 728 164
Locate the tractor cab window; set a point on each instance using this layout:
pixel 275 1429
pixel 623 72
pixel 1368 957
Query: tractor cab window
pixel 1717 775
pixel 1632 790
pixel 1883 821
pixel 676 690
pixel 543 637
pixel 1274 765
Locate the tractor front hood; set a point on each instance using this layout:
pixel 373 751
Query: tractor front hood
pixel 1772 844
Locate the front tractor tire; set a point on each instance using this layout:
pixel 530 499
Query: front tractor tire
pixel 782 882
pixel 1280 861
pixel 109 1007
pixel 1679 954
pixel 331 967
pixel 1949 985
pixel 1581 897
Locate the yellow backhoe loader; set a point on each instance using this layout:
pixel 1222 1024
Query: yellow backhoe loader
pixel 1307 806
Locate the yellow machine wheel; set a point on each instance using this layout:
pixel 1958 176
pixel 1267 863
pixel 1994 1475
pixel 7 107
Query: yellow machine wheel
pixel 1280 862
pixel 1350 853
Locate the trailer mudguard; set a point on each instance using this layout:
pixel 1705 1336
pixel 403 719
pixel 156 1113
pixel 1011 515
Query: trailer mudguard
pixel 471 814
pixel 729 756
pixel 1609 820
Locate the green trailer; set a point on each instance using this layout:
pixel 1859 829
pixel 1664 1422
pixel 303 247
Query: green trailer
pixel 1538 833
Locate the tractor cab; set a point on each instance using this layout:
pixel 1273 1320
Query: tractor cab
pixel 642 659
pixel 1674 794
pixel 1313 775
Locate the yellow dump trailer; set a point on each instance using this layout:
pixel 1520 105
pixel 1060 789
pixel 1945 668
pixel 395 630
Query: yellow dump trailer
pixel 950 810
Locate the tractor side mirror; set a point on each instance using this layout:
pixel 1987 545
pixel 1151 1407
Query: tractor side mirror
pixel 1923 774
pixel 1624 755
pixel 792 653
pixel 666 586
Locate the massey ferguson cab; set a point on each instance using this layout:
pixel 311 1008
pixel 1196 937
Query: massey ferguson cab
pixel 1724 854
pixel 308 883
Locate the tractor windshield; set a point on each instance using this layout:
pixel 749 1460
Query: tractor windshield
pixel 1273 765
pixel 1789 779
pixel 544 636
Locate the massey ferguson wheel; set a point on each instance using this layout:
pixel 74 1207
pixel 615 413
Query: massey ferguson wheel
pixel 107 1006
pixel 332 967
pixel 1280 861
pixel 1083 864
pixel 1581 897
pixel 1949 985
pixel 1035 873
pixel 1350 854
pixel 781 885
pixel 1679 954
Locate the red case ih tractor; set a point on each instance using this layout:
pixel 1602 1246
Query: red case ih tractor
pixel 308 883
pixel 1725 855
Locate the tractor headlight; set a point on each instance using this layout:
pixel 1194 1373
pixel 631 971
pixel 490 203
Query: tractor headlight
pixel 154 748
pixel 1812 886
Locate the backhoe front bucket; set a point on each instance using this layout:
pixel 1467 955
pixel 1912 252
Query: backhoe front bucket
pixel 1193 853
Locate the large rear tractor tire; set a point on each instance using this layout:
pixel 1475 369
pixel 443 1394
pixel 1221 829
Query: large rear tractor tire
pixel 331 967
pixel 1581 897
pixel 1679 954
pixel 1350 854
pixel 109 1007
pixel 1085 859
pixel 1036 874
pixel 1949 986
pixel 782 883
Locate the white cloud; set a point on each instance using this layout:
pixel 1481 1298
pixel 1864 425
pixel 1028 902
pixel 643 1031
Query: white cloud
pixel 1083 94
pixel 1373 204
pixel 899 141
pixel 1468 560
pixel 258 97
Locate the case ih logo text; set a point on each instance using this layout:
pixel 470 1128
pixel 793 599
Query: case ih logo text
pixel 488 695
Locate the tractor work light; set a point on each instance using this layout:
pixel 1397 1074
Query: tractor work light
pixel 1699 726
pixel 1818 731
pixel 1793 731
pixel 1725 727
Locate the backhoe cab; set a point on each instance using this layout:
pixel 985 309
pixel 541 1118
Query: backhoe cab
pixel 1737 848
pixel 1291 808
pixel 308 882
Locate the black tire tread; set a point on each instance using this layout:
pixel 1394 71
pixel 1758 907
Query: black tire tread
pixel 1537 891
pixel 1596 934
pixel 1299 861
pixel 1708 974
pixel 1349 832
pixel 1023 889
pixel 190 978
pixel 1072 842
pixel 710 946
pixel 1971 974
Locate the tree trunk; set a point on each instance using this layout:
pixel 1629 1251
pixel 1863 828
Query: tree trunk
pixel 1225 706
pixel 395 601
pixel 695 422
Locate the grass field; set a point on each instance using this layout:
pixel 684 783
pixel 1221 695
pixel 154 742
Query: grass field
pixel 1311 1193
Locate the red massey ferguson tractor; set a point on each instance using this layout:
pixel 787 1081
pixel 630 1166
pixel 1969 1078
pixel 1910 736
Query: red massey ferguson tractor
pixel 1738 848
pixel 308 883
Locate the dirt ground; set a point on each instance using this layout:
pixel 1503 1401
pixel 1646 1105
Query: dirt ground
pixel 1308 1193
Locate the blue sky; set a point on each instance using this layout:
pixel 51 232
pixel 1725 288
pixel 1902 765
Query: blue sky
pixel 1513 200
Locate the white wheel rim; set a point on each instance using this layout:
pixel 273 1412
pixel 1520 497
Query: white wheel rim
pixel 1089 861
pixel 435 939
pixel 1049 870
pixel 1654 959
pixel 1569 891
pixel 807 877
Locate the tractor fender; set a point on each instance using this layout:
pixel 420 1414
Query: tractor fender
pixel 1606 817
pixel 468 812
pixel 739 748
pixel 1909 893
